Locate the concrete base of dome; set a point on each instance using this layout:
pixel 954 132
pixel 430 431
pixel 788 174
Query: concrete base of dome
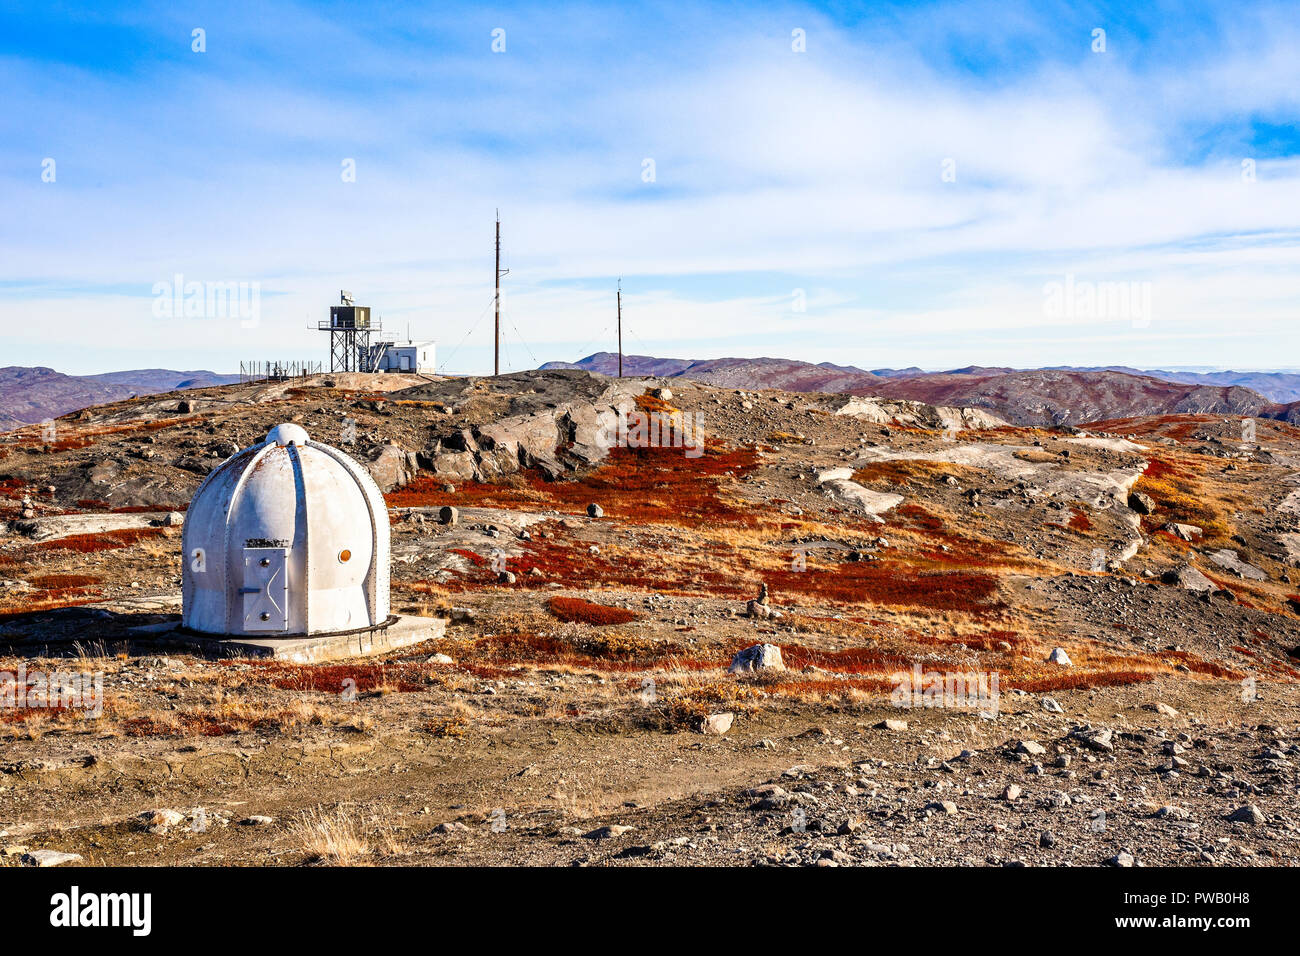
pixel 397 633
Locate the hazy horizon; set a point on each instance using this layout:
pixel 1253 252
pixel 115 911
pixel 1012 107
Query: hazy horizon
pixel 1201 369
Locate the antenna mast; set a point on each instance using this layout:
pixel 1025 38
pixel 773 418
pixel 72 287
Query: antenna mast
pixel 496 340
pixel 620 327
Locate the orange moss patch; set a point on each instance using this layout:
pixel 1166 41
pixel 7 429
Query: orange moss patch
pixel 1080 680
pixel 406 677
pixel 55 581
pixel 906 471
pixel 1185 498
pixel 644 485
pixel 587 612
pixel 851 660
pixel 102 541
pixel 893 584
pixel 716 572
pixel 603 651
pixel 51 599
pixel 84 436
pixel 1179 427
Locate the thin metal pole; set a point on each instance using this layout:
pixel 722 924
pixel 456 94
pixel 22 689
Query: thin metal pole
pixel 496 278
pixel 620 328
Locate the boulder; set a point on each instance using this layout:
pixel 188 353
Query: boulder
pixel 455 464
pixel 1142 503
pixel 1095 739
pixel 1058 656
pixel 449 515
pixel 1184 532
pixel 1188 577
pixel 757 657
pixel 717 723
pixel 1248 814
pixel 1231 562
pixel 392 467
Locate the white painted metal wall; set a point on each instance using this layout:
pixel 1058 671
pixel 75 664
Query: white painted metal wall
pixel 406 356
pixel 287 537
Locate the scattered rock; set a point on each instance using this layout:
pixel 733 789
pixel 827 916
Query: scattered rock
pixel 1188 577
pixel 1231 562
pixel 756 658
pixel 49 858
pixel 595 511
pixel 1247 814
pixel 1095 739
pixel 1058 656
pixel 160 820
pixel 717 723
pixel 609 832
pixel 449 515
pixel 894 725
pixel 392 467
pixel 1142 503
pixel 1011 793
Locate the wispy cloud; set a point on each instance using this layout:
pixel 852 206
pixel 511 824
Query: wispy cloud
pixel 775 171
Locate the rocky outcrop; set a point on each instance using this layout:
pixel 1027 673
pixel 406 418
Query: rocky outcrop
pixel 942 417
pixel 564 422
pixel 839 484
pixel 392 467
pixel 1231 562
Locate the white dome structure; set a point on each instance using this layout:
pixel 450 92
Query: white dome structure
pixel 286 538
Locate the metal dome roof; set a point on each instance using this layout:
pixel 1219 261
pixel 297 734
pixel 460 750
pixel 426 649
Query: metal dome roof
pixel 286 537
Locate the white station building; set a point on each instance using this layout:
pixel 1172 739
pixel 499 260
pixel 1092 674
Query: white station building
pixel 403 357
pixel 288 537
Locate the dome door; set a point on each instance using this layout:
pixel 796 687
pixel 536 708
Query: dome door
pixel 266 589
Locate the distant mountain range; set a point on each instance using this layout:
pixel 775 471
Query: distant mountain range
pixel 30 395
pixel 1047 396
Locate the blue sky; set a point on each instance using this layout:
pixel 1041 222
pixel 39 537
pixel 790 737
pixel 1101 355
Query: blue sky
pixel 907 189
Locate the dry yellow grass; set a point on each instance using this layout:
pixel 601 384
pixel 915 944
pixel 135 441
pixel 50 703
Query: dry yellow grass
pixel 330 836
